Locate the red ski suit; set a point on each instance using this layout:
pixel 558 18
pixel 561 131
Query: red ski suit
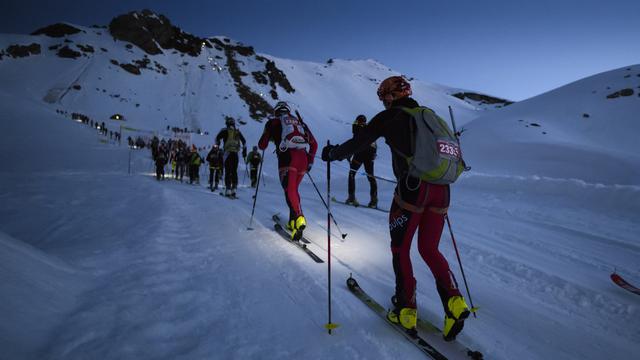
pixel 417 205
pixel 292 162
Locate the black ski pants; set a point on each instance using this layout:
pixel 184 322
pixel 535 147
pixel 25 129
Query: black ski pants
pixel 231 170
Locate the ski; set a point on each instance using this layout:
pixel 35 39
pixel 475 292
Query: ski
pixel 228 196
pixel 618 280
pixel 358 206
pixel 287 236
pixel 277 219
pixel 427 337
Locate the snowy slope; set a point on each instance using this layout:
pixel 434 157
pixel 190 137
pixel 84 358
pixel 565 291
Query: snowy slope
pixel 119 266
pixel 576 131
pixel 171 271
pixel 198 92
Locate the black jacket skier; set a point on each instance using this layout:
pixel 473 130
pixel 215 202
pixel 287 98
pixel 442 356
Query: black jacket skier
pixel 364 157
pixel 253 159
pixel 216 162
pixel 416 204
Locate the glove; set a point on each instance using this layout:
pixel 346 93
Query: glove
pixel 326 152
pixel 244 152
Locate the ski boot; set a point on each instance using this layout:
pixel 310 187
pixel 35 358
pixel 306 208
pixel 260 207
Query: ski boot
pixel 455 314
pixel 373 203
pixel 233 193
pixel 351 200
pixel 406 317
pixel 298 227
pixel 227 192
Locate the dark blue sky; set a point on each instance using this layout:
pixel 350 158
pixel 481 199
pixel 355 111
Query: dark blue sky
pixel 509 48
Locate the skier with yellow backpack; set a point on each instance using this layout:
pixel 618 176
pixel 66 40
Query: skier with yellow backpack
pixel 233 141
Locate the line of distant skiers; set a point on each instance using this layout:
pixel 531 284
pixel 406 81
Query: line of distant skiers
pixel 222 160
pixel 101 127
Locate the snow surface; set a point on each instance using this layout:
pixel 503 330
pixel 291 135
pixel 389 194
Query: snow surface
pixel 97 263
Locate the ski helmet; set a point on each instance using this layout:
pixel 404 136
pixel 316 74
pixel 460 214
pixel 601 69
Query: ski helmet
pixel 230 121
pixel 255 148
pixel 281 108
pixel 392 88
pixel 360 120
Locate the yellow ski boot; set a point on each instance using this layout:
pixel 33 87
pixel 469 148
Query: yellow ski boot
pixel 298 227
pixel 457 311
pixel 407 317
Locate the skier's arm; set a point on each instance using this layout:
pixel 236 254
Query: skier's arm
pixel 244 142
pixel 221 135
pixel 266 135
pixel 313 144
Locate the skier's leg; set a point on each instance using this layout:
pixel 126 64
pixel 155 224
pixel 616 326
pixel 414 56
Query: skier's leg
pixel 217 177
pixel 300 162
pixel 354 165
pixel 234 170
pixel 227 171
pixel 404 218
pixel 429 235
pixel 254 176
pixel 431 224
pixel 284 182
pixel 373 186
pixel 402 227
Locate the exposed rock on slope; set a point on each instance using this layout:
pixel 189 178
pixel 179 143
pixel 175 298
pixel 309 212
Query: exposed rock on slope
pixel 57 30
pixel 481 98
pixel 18 51
pixel 147 30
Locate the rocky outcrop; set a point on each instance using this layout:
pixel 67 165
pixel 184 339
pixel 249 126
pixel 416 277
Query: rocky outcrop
pixel 258 107
pixel 57 30
pixel 271 75
pixel 623 92
pixel 151 32
pixel 131 68
pixel 86 48
pixel 66 52
pixel 481 98
pixel 20 51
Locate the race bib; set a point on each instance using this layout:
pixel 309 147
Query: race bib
pixel 448 149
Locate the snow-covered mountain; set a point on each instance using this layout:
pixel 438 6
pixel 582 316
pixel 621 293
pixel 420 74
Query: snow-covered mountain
pixel 155 75
pixel 586 130
pixel 96 263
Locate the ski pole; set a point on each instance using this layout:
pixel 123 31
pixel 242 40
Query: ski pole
pixel 255 196
pixel 453 239
pixel 330 326
pixel 455 132
pixel 365 174
pixel 244 178
pixel 344 235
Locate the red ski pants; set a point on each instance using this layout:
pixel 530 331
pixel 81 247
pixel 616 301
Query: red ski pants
pixel 292 168
pixel 419 207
